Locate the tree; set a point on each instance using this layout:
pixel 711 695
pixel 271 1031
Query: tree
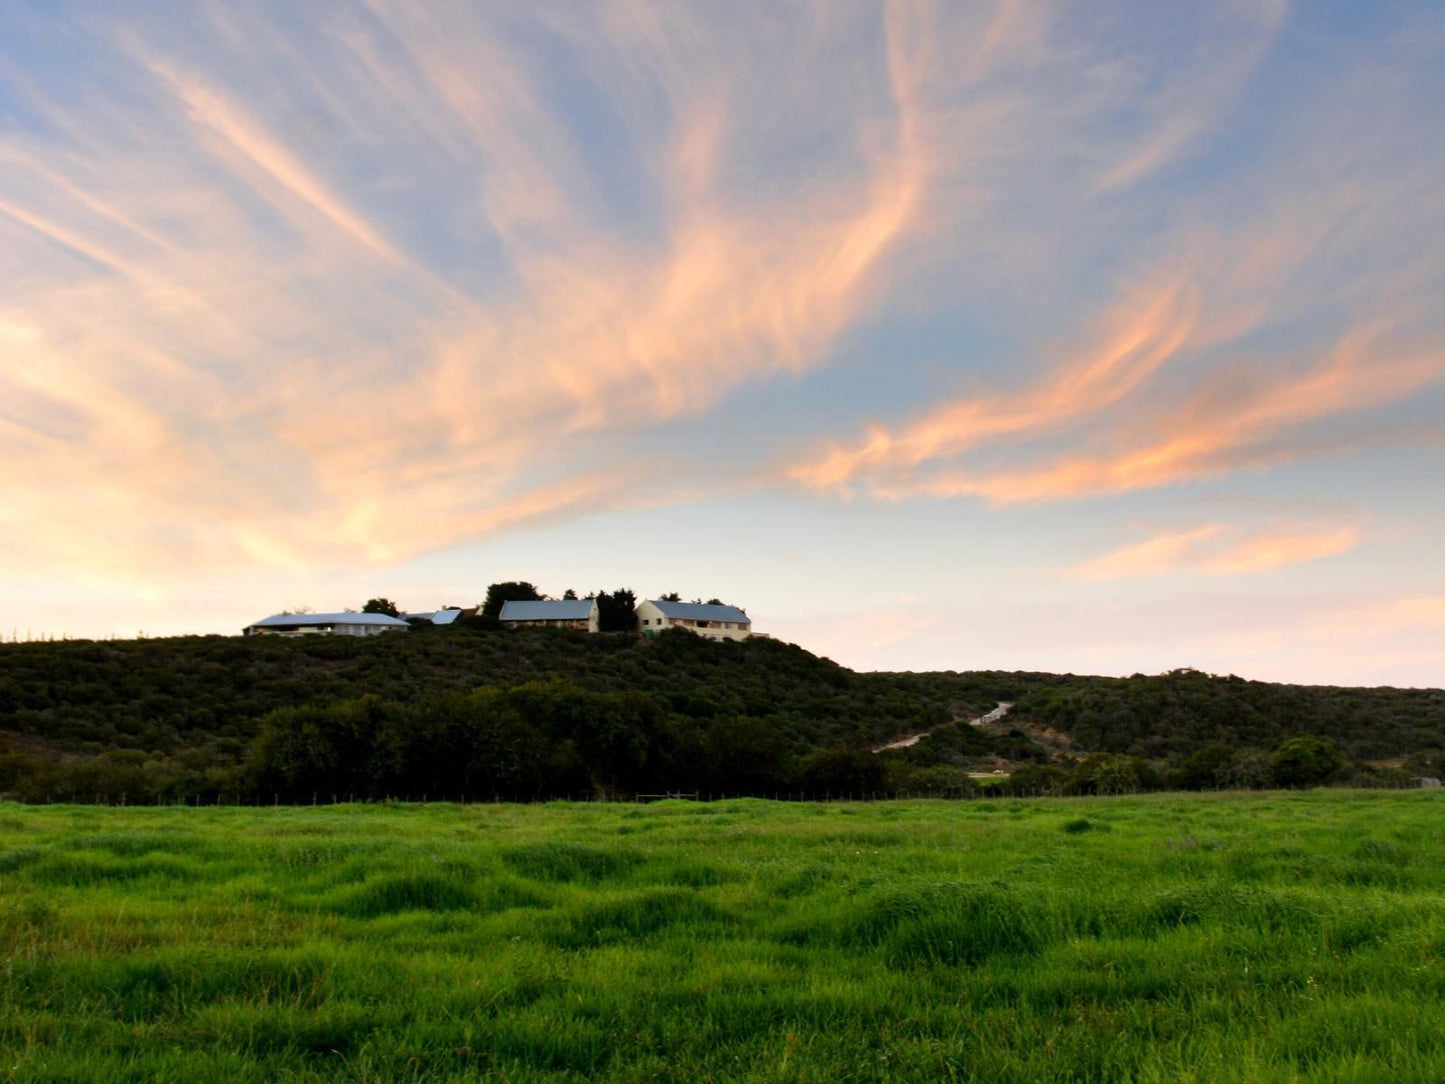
pixel 616 612
pixel 381 606
pixel 671 596
pixel 1203 769
pixel 1306 761
pixel 569 595
pixel 511 591
pixel 1112 773
pixel 746 755
pixel 1248 769
pixel 843 771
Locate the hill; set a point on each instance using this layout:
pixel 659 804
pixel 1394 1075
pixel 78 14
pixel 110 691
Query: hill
pixel 538 713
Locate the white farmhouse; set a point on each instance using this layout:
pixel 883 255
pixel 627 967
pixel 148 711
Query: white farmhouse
pixel 345 624
pixel 572 613
pixel 703 618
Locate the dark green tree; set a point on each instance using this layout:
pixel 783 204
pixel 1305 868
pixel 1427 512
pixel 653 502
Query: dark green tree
pixel 843 771
pixel 1204 769
pixel 1306 761
pixel 671 596
pixel 746 755
pixel 511 591
pixel 381 606
pixel 569 595
pixel 616 611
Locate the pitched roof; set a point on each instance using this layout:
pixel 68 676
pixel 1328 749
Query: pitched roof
pixel 572 609
pixel 435 617
pixel 700 611
pixel 292 621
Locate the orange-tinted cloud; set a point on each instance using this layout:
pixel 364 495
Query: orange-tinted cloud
pixel 1218 550
pixel 223 354
pixel 1138 336
pixel 1270 551
pixel 1164 552
pixel 1126 438
pixel 1206 438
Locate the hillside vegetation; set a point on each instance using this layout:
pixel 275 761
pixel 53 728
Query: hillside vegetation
pixel 478 712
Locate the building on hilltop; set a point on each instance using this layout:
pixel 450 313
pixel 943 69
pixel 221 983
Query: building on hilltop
pixel 447 615
pixel 578 613
pixel 344 624
pixel 709 620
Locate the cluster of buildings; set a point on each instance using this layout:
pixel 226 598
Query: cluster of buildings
pixel 709 620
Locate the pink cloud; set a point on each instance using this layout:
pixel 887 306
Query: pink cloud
pixel 1219 550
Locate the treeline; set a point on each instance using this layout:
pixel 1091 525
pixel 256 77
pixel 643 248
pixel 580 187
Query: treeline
pixel 481 711
pixel 209 694
pixel 553 739
pixel 536 741
pixel 1169 716
pixel 529 742
pixel 1303 761
pixel 179 719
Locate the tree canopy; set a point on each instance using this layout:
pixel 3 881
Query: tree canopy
pixel 617 612
pixel 498 594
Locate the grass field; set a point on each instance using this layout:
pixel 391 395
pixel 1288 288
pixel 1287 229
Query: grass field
pixel 1241 937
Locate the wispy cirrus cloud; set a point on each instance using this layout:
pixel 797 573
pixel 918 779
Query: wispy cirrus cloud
pixel 1216 549
pixel 1124 435
pixel 1138 336
pixel 377 289
pixel 252 347
pixel 1244 335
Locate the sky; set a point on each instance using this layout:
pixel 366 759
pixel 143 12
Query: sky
pixel 1093 338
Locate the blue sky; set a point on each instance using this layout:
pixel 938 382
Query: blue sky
pixel 1095 338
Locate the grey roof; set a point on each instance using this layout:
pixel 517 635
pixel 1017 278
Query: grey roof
pixel 571 609
pixel 700 611
pixel 434 617
pixel 293 621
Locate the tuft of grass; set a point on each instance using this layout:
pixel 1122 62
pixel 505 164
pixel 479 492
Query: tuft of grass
pixel 566 862
pixel 634 916
pixel 410 892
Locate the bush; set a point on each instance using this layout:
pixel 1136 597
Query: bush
pixel 1306 761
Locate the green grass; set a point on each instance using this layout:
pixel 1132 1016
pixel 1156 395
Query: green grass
pixel 1246 937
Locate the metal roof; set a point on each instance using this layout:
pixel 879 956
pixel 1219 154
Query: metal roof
pixel 700 611
pixel 578 609
pixel 445 617
pixel 284 621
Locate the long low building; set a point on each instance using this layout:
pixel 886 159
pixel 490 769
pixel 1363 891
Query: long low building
pixel 708 620
pixel 343 624
pixel 578 613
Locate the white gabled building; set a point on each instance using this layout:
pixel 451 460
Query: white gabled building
pixel 579 613
pixel 345 624
pixel 708 620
